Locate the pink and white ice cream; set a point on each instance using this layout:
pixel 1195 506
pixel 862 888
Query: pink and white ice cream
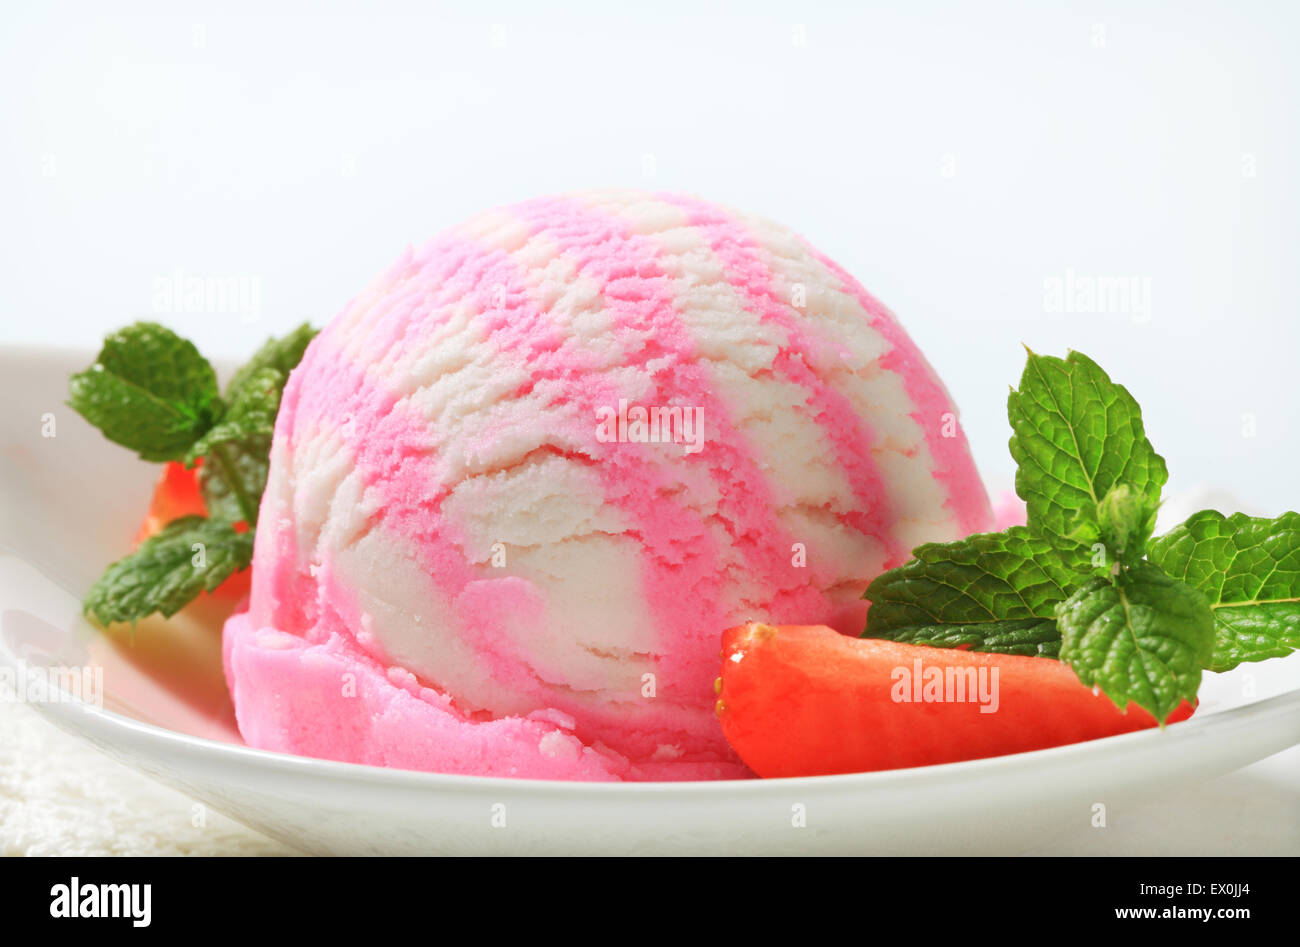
pixel 471 558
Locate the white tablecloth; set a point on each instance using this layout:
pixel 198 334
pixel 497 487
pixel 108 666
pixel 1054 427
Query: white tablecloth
pixel 60 796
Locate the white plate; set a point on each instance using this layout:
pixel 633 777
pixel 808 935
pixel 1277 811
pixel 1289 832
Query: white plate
pixel 70 502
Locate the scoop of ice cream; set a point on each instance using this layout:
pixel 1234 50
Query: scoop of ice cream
pixel 522 483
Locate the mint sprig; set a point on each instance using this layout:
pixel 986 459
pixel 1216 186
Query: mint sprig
pixel 1083 581
pixel 152 391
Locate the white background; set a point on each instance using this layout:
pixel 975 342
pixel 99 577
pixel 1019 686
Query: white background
pixel 953 157
pixel 956 158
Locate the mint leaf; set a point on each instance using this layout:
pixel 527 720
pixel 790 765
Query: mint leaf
pixel 1248 569
pixel 282 354
pixel 1125 521
pixel 149 390
pixel 1141 637
pixel 157 359
pixel 233 479
pixel 991 591
pixel 1077 435
pixel 251 413
pixel 238 448
pixel 189 555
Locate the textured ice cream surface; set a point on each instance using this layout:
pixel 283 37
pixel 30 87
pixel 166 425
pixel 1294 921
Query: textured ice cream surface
pixel 470 559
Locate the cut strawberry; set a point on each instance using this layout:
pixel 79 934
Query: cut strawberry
pixel 805 700
pixel 177 494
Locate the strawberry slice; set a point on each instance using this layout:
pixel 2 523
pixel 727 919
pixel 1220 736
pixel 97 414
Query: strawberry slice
pixel 805 700
pixel 177 494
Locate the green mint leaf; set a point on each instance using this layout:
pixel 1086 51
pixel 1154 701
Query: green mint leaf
pixel 1126 521
pixel 1076 435
pixel 282 354
pixel 238 448
pixel 991 592
pixel 252 411
pixel 1141 637
pixel 190 555
pixel 1248 569
pixel 233 478
pixel 149 390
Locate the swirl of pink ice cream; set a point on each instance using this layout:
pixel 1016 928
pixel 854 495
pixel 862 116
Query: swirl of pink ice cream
pixel 470 559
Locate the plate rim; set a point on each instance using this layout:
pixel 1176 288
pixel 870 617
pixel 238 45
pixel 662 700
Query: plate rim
pixel 64 712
